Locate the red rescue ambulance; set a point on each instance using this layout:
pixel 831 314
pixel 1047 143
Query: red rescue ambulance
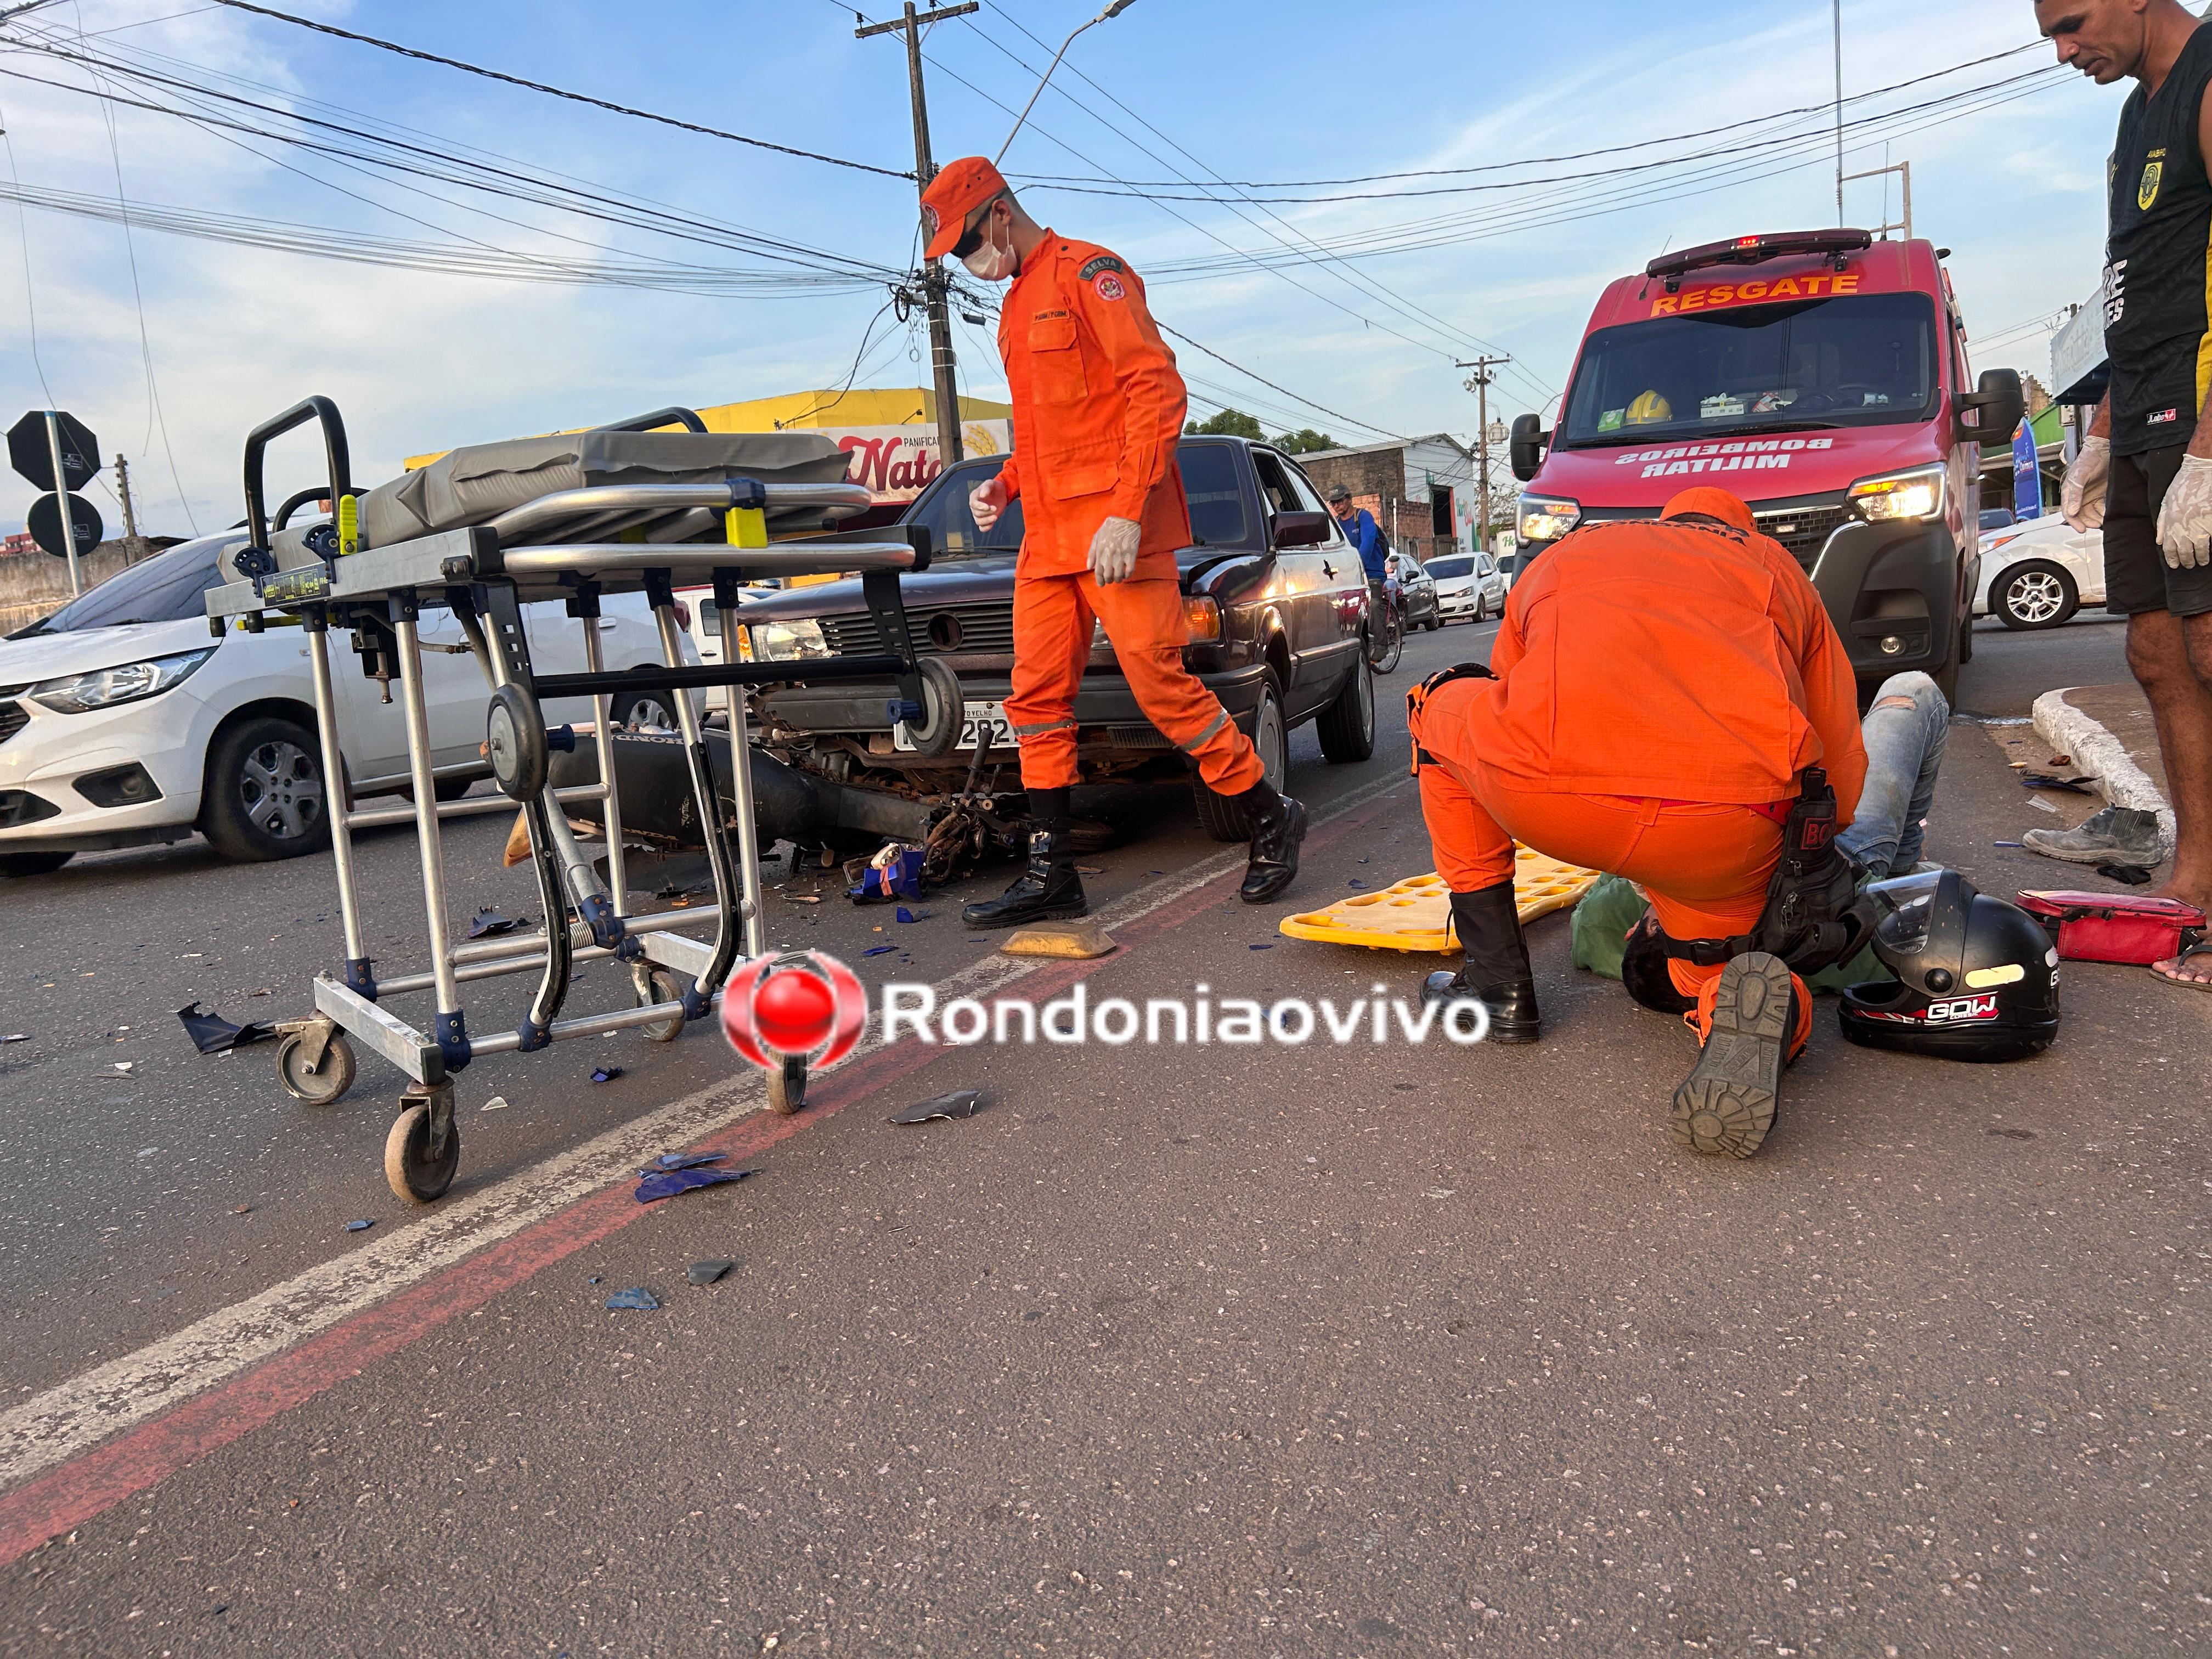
pixel 1823 377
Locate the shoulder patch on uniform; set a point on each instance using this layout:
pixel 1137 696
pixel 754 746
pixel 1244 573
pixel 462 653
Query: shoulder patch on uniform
pixel 1107 286
pixel 1104 261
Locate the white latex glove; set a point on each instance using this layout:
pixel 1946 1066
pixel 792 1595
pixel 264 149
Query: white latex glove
pixel 2085 478
pixel 2185 521
pixel 1114 551
pixel 988 501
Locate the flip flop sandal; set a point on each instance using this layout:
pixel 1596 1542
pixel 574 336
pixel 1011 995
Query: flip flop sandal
pixel 2203 948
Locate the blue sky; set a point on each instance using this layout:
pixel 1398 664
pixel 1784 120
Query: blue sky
pixel 1293 89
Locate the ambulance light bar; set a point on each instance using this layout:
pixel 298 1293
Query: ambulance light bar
pixel 1754 250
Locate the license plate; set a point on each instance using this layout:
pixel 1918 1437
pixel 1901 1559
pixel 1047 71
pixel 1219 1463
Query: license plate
pixel 977 718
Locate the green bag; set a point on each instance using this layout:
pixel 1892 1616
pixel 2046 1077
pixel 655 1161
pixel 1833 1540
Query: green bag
pixel 1612 906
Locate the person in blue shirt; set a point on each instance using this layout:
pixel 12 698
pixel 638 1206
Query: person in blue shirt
pixel 1364 532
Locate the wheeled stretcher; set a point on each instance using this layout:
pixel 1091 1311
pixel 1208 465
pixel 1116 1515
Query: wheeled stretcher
pixel 482 532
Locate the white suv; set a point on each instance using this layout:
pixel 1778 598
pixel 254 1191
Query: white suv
pixel 122 722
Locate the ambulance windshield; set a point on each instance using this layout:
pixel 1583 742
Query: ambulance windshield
pixel 1859 360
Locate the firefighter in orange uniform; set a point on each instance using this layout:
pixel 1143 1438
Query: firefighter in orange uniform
pixel 1669 702
pixel 1097 409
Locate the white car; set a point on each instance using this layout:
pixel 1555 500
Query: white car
pixel 123 722
pixel 2037 574
pixel 1469 587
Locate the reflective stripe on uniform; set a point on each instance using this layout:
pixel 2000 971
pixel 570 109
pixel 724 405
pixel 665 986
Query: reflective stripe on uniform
pixel 1220 719
pixel 1050 726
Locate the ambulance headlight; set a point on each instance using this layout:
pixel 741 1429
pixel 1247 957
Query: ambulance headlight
pixel 1901 497
pixel 1547 518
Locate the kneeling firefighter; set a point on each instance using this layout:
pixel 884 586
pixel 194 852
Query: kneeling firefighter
pixel 1668 701
pixel 1098 405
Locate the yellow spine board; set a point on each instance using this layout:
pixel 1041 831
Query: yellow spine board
pixel 746 526
pixel 1415 915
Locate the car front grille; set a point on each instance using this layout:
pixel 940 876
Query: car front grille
pixel 955 630
pixel 1803 530
pixel 13 719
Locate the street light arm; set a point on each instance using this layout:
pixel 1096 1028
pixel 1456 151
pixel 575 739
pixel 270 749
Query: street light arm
pixel 1114 10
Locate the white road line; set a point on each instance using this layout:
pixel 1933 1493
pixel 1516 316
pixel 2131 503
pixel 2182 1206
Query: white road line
pixel 74 1416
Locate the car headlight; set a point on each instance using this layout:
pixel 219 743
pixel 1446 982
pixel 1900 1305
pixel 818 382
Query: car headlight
pixel 1547 518
pixel 1201 619
pixel 1901 497
pixel 103 687
pixel 786 641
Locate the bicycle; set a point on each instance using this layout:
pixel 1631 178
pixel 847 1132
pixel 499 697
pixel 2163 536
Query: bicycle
pixel 1386 630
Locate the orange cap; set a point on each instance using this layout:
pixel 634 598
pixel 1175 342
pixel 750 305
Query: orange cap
pixel 959 188
pixel 1712 502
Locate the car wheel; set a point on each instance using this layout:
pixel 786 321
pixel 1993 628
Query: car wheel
pixel 2034 595
pixel 32 864
pixel 654 709
pixel 1346 727
pixel 264 796
pixel 1221 816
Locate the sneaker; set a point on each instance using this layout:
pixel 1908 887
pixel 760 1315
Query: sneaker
pixel 2117 835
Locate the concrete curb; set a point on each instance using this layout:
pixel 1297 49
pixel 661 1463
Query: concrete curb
pixel 2098 752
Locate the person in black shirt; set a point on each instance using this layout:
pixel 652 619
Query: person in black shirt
pixel 2150 447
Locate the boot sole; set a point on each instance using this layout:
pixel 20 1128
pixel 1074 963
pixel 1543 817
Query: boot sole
pixel 1727 1104
pixel 2070 855
pixel 1047 913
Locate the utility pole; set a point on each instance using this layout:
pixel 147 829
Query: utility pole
pixel 933 275
pixel 1839 111
pixel 130 518
pixel 1479 383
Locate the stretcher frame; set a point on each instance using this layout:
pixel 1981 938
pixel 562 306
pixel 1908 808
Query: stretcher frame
pixel 484 574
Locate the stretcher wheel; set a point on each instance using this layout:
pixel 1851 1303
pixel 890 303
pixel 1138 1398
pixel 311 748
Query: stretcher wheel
pixel 786 1086
pixel 515 741
pixel 408 1165
pixel 319 1085
pixel 943 710
pixel 659 986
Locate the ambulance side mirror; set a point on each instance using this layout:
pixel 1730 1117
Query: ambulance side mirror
pixel 1298 529
pixel 1996 406
pixel 1526 447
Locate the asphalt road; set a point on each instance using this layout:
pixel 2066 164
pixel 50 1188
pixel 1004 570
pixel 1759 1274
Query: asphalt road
pixel 1487 1361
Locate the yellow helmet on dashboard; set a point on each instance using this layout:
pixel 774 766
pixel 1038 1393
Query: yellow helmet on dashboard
pixel 1650 408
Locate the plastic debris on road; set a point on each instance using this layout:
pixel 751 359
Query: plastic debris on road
pixel 895 872
pixel 670 1182
pixel 490 924
pixel 1415 915
pixel 637 1297
pixel 211 1034
pixel 496 1103
pixel 1075 941
pixel 904 915
pixel 359 1226
pixel 668 1161
pixel 2052 781
pixel 961 1102
pixel 878 949
pixel 15 1036
pixel 605 1073
pixel 2127 875
pixel 706 1272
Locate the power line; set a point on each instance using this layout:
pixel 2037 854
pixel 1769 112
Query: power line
pixel 1822 109
pixel 558 92
pixel 1412 315
pixel 1307 402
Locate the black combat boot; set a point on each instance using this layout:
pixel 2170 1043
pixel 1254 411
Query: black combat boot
pixel 1050 890
pixel 1278 825
pixel 1496 972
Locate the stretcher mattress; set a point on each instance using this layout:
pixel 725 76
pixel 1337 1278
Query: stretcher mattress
pixel 1415 915
pixel 477 483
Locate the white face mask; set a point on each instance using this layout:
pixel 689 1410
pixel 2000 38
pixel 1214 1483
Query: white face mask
pixel 991 262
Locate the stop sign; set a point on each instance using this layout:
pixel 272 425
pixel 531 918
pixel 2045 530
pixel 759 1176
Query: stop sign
pixel 32 458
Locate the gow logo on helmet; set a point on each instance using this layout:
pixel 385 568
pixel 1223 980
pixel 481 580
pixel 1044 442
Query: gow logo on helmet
pixel 780 1007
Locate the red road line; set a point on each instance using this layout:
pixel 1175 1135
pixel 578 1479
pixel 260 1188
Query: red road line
pixel 71 1493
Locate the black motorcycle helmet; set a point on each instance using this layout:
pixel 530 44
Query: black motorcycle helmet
pixel 1977 978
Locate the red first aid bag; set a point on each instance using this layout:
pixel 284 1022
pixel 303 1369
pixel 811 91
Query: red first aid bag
pixel 2115 927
